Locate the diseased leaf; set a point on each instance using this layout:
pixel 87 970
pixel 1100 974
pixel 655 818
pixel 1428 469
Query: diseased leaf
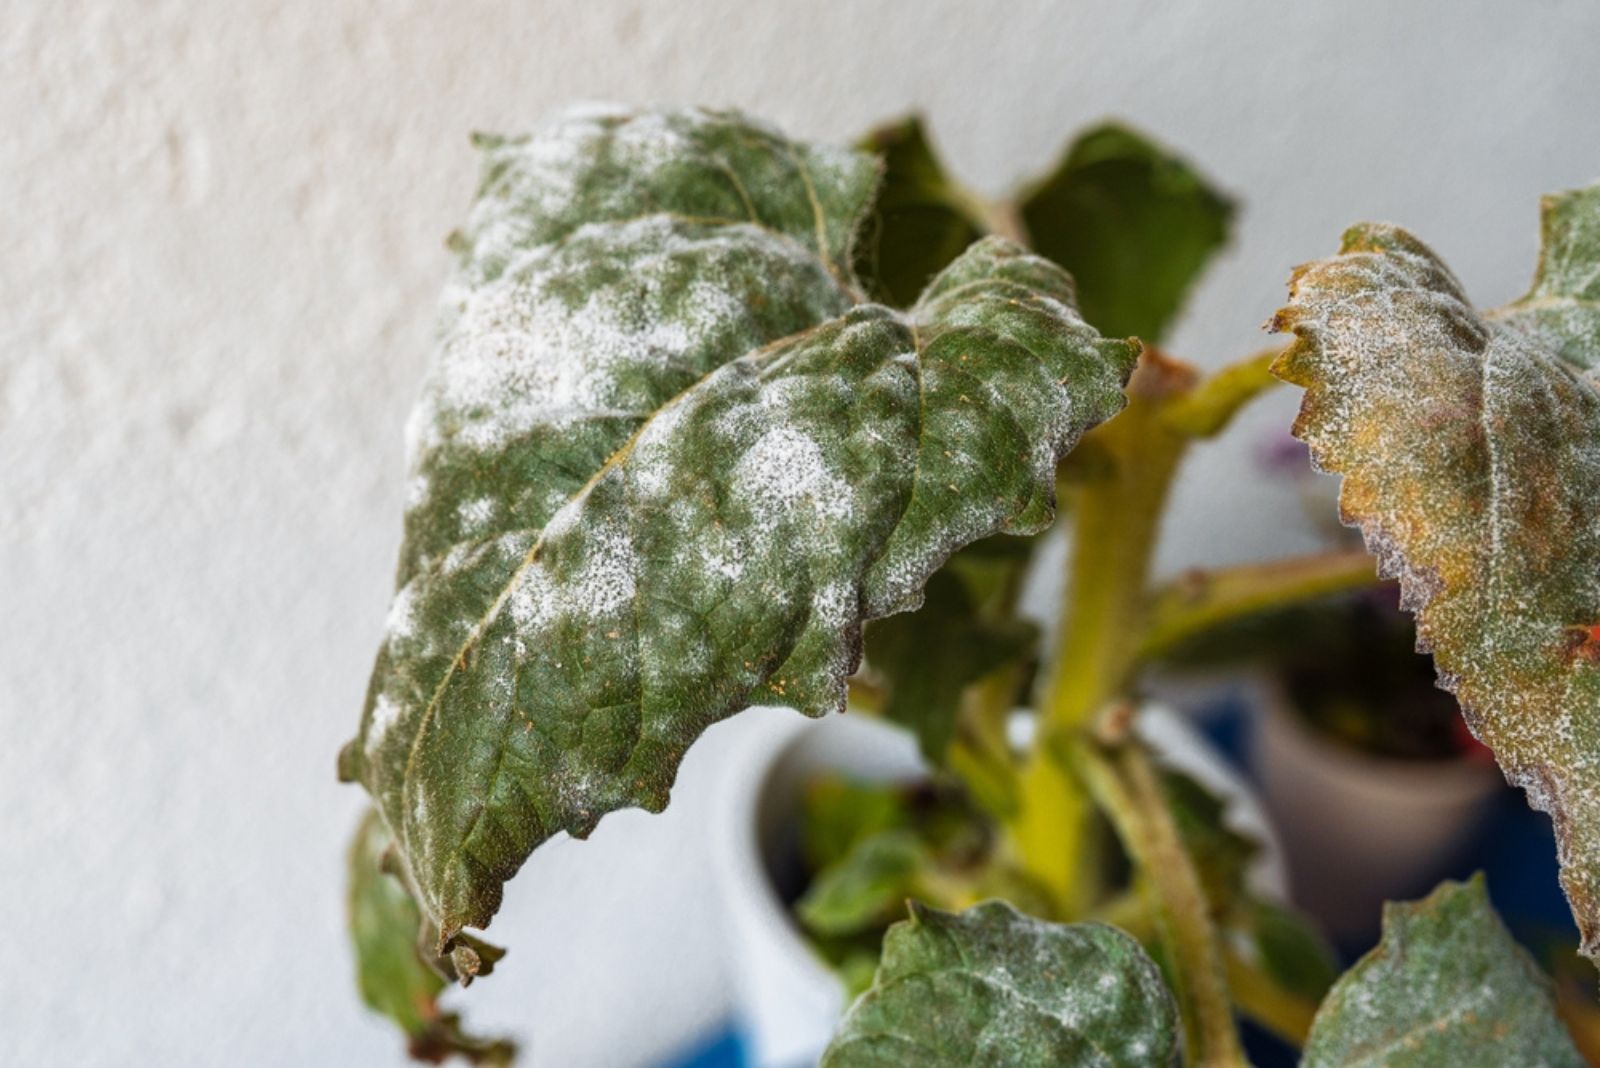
pixel 1470 450
pixel 927 658
pixel 991 986
pixel 1447 985
pixel 1133 223
pixel 666 465
pixel 390 970
pixel 920 220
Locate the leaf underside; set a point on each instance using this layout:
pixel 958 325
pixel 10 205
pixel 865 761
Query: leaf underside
pixel 1446 985
pixel 993 986
pixel 667 463
pixel 1470 448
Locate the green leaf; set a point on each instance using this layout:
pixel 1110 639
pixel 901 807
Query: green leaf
pixel 991 986
pixel 1562 308
pixel 391 973
pixel 1447 985
pixel 665 467
pixel 927 658
pixel 837 813
pixel 1467 443
pixel 920 222
pixel 866 887
pixel 1291 951
pixel 1133 223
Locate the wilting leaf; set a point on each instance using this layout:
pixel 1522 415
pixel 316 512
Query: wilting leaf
pixel 928 657
pixel 920 221
pixel 866 887
pixel 666 465
pixel 992 986
pixel 390 971
pixel 1133 223
pixel 1470 450
pixel 1447 985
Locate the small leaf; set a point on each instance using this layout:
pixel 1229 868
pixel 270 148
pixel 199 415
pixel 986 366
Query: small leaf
pixel 1133 223
pixel 1290 949
pixel 920 222
pixel 837 813
pixel 390 971
pixel 991 986
pixel 665 467
pixel 1467 443
pixel 1447 985
pixel 866 887
pixel 928 657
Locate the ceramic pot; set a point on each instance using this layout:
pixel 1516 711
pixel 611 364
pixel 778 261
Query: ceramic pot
pixel 1361 829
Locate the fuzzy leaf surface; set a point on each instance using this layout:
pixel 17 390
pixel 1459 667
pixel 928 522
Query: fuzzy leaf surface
pixel 667 463
pixel 1470 448
pixel 991 986
pixel 1446 985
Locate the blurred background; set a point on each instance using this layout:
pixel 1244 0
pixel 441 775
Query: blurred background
pixel 221 247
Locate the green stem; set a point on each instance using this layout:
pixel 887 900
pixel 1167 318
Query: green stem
pixel 1123 781
pixel 1116 509
pixel 1255 992
pixel 1201 599
pixel 1207 409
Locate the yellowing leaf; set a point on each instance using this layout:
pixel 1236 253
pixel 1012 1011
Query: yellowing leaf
pixel 1470 448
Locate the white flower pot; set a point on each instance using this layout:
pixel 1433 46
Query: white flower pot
pixel 1361 829
pixel 787 998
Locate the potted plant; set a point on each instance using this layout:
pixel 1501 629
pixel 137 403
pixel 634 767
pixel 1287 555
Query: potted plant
pixel 678 448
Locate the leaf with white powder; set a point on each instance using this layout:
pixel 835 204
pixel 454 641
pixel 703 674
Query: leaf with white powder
pixel 667 463
pixel 1447 985
pixel 1470 449
pixel 991 986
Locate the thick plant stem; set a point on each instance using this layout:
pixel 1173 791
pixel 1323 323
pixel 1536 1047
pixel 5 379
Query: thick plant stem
pixel 1255 992
pixel 1121 778
pixel 1116 507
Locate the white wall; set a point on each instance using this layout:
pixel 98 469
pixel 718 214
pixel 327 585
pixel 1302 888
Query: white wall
pixel 220 242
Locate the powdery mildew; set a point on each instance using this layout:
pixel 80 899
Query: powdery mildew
pixel 993 986
pixel 1469 446
pixel 662 470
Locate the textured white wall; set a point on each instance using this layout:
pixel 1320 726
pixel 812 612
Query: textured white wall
pixel 220 244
